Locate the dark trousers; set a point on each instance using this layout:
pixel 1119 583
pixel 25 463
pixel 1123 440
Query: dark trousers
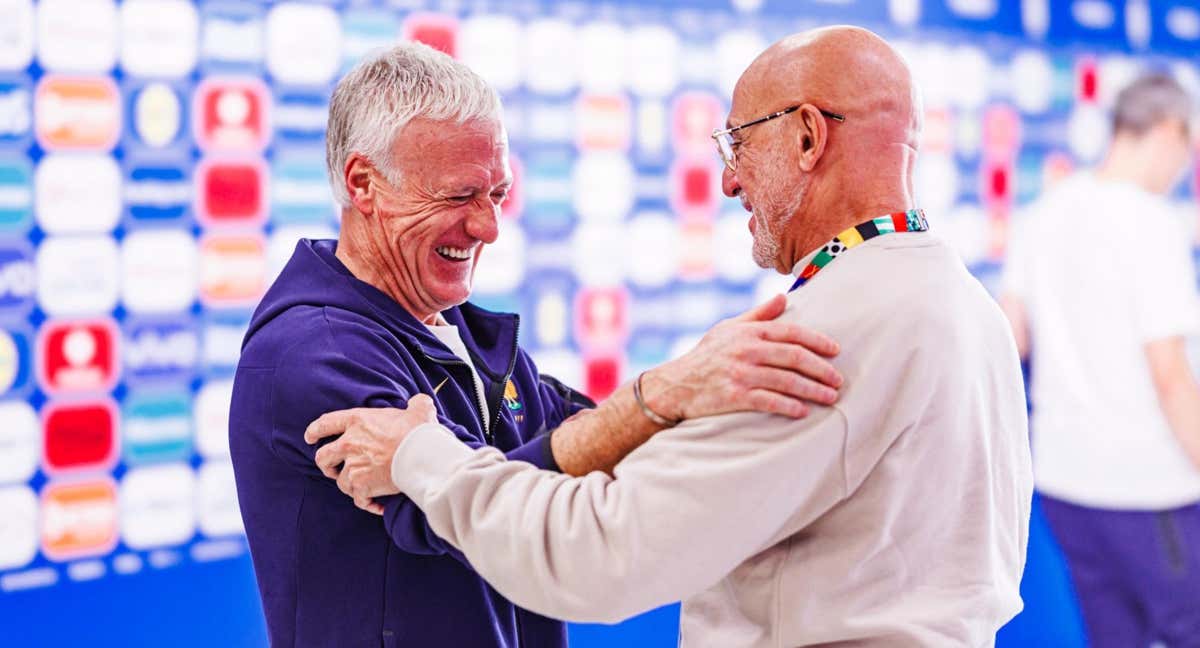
pixel 1136 573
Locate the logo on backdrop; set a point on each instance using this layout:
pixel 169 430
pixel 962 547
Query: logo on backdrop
pixel 78 356
pixel 16 197
pixel 160 351
pixel 79 436
pixel 18 279
pixel 231 192
pixel 77 36
pixel 159 38
pixel 156 427
pixel 79 519
pixel 233 270
pixel 157 192
pixel 16 113
pixel 77 113
pixel 231 114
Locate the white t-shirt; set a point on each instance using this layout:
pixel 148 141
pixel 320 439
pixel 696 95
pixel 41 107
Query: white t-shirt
pixel 448 334
pixel 1103 268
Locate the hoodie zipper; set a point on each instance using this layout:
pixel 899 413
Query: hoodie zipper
pixel 512 365
pixel 487 431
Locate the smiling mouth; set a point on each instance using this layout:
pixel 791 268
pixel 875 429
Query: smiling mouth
pixel 453 253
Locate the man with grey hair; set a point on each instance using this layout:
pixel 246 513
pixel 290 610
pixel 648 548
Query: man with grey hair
pixel 418 161
pixel 895 517
pixel 1100 290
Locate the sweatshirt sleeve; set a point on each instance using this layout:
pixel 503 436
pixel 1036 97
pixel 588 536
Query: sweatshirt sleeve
pixel 681 512
pixel 317 377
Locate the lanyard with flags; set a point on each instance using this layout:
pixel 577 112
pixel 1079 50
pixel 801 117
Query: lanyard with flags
pixel 912 220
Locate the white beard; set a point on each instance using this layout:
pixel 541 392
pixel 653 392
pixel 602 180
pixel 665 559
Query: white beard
pixel 771 219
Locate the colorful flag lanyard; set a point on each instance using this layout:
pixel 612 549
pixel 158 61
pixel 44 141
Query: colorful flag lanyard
pixel 912 220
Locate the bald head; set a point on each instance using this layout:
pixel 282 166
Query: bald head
pixel 808 175
pixel 848 70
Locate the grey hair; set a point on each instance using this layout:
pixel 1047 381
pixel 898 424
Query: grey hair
pixel 387 90
pixel 1149 101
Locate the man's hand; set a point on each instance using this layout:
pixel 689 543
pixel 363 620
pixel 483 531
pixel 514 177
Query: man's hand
pixel 361 460
pixel 748 363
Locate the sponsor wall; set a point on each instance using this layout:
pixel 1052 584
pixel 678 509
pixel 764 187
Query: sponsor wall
pixel 159 159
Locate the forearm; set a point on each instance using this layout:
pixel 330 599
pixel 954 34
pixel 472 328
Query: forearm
pixel 598 439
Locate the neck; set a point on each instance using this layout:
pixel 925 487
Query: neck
pixel 1126 162
pixel 834 207
pixel 363 258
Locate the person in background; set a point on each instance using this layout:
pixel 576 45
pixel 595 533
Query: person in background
pixel 418 160
pixel 897 516
pixel 1100 289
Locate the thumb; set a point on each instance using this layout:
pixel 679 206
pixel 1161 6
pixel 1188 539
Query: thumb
pixel 423 406
pixel 765 311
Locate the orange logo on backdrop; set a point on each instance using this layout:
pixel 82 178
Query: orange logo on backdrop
pixel 233 269
pixel 77 113
pixel 79 519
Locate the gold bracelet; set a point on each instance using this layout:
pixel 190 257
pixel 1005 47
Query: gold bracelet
pixel 657 418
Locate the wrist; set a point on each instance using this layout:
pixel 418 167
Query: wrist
pixel 657 392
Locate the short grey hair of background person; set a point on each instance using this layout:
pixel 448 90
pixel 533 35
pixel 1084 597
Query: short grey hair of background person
pixel 1150 100
pixel 388 89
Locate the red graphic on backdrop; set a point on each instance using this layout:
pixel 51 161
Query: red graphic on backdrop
pixel 231 115
pixel 79 436
pixel 231 192
pixel 438 32
pixel 78 356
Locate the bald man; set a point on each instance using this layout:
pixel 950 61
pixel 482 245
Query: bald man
pixel 896 517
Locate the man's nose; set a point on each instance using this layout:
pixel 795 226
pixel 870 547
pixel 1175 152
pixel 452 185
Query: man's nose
pixel 729 183
pixel 484 223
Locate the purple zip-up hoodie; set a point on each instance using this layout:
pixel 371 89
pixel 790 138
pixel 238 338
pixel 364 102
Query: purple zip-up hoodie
pixel 331 574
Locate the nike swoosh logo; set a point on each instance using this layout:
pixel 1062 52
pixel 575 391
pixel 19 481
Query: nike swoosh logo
pixel 439 387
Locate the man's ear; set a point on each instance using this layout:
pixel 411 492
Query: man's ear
pixel 811 136
pixel 359 185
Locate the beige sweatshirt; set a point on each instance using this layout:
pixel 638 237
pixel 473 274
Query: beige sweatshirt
pixel 897 517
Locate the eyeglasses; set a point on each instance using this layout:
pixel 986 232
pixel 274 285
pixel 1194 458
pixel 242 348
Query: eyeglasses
pixel 724 138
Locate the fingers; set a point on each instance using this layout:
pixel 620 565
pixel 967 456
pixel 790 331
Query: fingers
pixel 774 403
pixel 793 358
pixel 329 457
pixel 790 384
pixel 765 311
pixel 329 424
pixel 795 334
pixel 369 505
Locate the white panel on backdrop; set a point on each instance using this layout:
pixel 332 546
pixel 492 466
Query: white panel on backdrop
pixel 549 52
pixel 159 271
pixel 212 418
pixel 217 502
pixel 158 506
pixel 77 193
pixel 77 35
pixel 654 67
pixel 491 46
pixel 16 34
pixel 20 442
pixel 303 43
pixel 603 57
pixel 18 526
pixel 78 275
pixel 602 185
pixel 159 38
pixel 653 249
